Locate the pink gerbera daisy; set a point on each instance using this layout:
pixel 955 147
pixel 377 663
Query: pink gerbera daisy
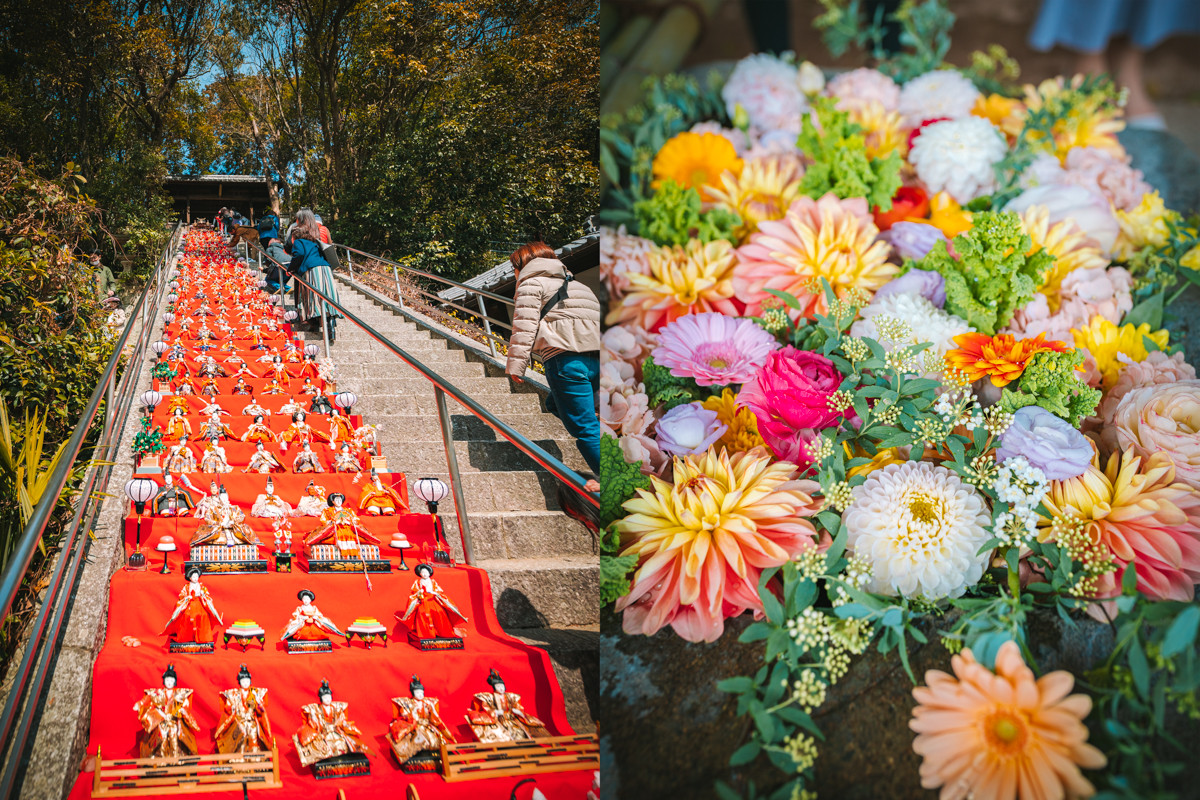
pixel 714 349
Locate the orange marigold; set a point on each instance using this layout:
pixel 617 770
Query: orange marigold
pixel 1002 357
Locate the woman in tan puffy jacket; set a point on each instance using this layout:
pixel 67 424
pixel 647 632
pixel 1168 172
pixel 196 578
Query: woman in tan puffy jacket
pixel 562 327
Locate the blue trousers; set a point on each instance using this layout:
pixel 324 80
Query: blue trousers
pixel 574 380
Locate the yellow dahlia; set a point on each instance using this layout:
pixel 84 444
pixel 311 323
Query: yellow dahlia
pixel 680 280
pixel 946 215
pixel 1091 122
pixel 742 432
pixel 1005 113
pixel 762 191
pixel 1191 259
pixel 1145 226
pixel 827 238
pixel 1069 245
pixel 1130 512
pixel 1002 735
pixel 882 129
pixel 1113 347
pixel 695 160
pixel 703 542
pixel 1001 357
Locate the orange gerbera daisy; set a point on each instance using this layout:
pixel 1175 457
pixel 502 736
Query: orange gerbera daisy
pixel 1005 734
pixel 946 215
pixel 696 160
pixel 1002 357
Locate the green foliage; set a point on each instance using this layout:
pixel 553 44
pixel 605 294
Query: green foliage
pixel 993 276
pixel 924 33
pixel 1050 380
pixel 148 440
pixel 665 390
pixel 25 468
pixel 840 163
pixel 619 481
pixel 672 217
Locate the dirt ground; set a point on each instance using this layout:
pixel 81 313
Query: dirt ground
pixel 1172 71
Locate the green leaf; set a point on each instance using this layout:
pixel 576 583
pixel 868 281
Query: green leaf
pixel 739 685
pixel 1148 312
pixel 621 479
pixel 1139 669
pixel 614 576
pixel 745 754
pixel 1182 633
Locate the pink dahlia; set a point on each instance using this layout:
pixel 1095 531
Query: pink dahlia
pixel 714 349
pixel 858 88
pixel 1157 368
pixel 622 254
pixel 789 397
pixel 1083 294
pixel 1163 419
pixel 1095 169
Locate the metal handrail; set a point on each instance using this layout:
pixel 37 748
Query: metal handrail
pixel 442 387
pixel 43 645
pixel 448 281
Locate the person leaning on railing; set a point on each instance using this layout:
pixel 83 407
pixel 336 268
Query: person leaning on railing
pixel 309 263
pixel 558 318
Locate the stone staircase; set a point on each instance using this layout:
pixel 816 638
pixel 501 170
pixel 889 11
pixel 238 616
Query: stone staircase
pixel 543 565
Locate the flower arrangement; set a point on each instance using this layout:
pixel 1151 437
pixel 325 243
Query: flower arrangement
pixel 858 388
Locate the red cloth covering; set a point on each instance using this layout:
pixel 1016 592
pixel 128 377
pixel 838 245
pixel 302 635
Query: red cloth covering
pixel 234 403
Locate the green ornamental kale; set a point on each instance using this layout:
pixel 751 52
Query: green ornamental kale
pixel 620 481
pixel 993 276
pixel 665 390
pixel 840 163
pixel 1050 380
pixel 672 216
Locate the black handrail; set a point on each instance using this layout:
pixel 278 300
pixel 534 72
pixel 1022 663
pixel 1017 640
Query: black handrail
pixel 560 470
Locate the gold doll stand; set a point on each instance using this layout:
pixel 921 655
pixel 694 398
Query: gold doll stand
pixel 215 772
pixel 476 760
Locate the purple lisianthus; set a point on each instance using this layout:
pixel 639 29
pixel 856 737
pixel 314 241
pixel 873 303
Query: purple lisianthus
pixel 1047 442
pixel 913 239
pixel 713 349
pixel 688 429
pixel 930 285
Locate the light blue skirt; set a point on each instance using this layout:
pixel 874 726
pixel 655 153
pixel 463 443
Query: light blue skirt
pixel 320 278
pixel 1088 25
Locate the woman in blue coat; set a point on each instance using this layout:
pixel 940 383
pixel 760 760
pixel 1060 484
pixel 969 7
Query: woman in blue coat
pixel 309 264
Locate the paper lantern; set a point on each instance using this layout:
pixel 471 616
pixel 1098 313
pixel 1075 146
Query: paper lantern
pixel 140 490
pixel 311 351
pixel 150 400
pixel 432 491
pixel 159 347
pixel 345 400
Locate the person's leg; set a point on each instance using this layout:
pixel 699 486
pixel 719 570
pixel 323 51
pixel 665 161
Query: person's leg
pixel 1127 71
pixel 572 378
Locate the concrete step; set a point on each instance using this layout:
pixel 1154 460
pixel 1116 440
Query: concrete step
pixel 469 428
pixel 402 380
pixel 545 592
pixel 380 395
pixel 495 492
pixel 422 457
pixel 575 653
pixel 525 534
pixel 370 359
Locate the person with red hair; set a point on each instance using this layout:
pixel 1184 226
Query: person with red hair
pixel 557 318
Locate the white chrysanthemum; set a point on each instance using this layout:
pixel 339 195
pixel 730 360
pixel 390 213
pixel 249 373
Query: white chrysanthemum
pixel 766 88
pixel 859 87
pixel 920 528
pixel 927 322
pixel 941 93
pixel 957 156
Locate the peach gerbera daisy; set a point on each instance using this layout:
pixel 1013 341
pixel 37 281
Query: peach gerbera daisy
pixel 1070 246
pixel 1113 347
pixel 1002 357
pixel 882 130
pixel 703 542
pixel 680 280
pixel 1004 734
pixel 762 191
pixel 827 238
pixel 695 160
pixel 1131 512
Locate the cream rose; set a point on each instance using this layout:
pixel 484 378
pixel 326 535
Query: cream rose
pixel 1164 419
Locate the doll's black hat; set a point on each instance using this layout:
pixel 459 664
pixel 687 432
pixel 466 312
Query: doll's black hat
pixel 494 678
pixel 415 684
pixel 423 566
pixel 324 689
pixel 169 672
pixel 243 673
pixel 302 592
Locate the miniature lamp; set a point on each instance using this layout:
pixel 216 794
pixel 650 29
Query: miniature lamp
pixel 139 490
pixel 262 284
pixel 276 299
pixel 168 318
pixel 345 401
pixel 172 297
pixel 311 351
pixel 159 347
pixel 150 400
pixel 432 491
pixel 289 315
pixel 166 546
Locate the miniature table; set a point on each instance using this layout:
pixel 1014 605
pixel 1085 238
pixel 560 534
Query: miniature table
pixel 367 630
pixel 243 631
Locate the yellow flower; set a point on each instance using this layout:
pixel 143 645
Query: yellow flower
pixel 1113 347
pixel 886 456
pixel 1069 245
pixel 946 215
pixel 1005 113
pixel 762 191
pixel 1145 226
pixel 1091 120
pixel 881 129
pixel 682 280
pixel 742 434
pixel 695 160
pixel 1191 259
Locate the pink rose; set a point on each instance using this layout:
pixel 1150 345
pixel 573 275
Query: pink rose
pixel 789 396
pixel 1158 368
pixel 1163 419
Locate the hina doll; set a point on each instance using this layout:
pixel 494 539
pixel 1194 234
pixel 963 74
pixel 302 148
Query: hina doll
pixel 497 716
pixel 225 525
pixel 208 502
pixel 308 370
pixel 263 461
pixel 269 504
pixel 291 355
pixel 267 358
pixel 259 432
pixel 180 458
pixel 320 404
pixel 367 435
pixel 244 726
pixel 168 727
pixel 309 389
pixel 214 428
pixel 178 425
pixel 327 731
pixel 274 388
pixel 277 370
pixel 171 500
pixel 240 387
pixel 327 374
pixel 194 618
pixel 308 623
pixel 339 427
pixel 306 461
pixel 433 615
pixel 416 723
pixel 213 407
pixel 339 526
pixel 184 386
pixel 345 460
pixel 210 388
pixel 177 403
pixel 313 502
pixel 243 371
pixel 213 459
pixel 211 369
pixel 290 407
pixel 254 409
pixel 300 431
pixel 378 499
